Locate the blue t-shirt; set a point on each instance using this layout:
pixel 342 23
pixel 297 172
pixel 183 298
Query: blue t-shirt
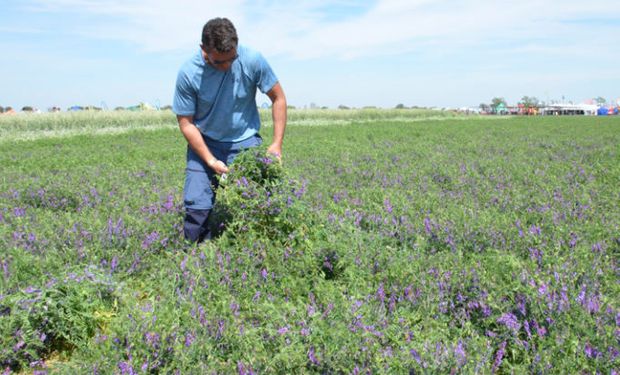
pixel 223 104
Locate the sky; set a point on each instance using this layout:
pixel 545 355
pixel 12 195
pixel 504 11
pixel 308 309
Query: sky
pixel 430 53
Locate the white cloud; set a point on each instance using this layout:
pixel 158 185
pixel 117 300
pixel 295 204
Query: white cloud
pixel 152 26
pixel 304 30
pixel 427 52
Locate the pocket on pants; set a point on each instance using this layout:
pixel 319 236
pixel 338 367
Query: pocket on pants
pixel 197 193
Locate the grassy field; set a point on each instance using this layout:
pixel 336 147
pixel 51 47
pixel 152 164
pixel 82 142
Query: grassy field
pixel 391 241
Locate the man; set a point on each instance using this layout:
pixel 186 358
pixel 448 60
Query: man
pixel 215 104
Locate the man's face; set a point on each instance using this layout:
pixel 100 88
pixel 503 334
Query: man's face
pixel 220 60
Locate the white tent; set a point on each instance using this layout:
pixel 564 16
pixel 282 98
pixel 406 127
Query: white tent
pixel 570 109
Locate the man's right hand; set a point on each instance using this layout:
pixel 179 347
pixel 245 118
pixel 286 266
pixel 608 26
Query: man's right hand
pixel 218 166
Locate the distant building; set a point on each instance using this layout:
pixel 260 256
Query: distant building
pixel 567 109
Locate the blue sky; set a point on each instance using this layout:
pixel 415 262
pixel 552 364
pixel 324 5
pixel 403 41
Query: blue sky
pixel 451 53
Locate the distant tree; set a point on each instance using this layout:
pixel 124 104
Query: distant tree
pixel 485 107
pixel 400 106
pixel 1 109
pixel 600 100
pixel 342 106
pixel 530 102
pixel 27 109
pixel 498 102
pixel 290 106
pixel 495 102
pixel 167 107
pixel 119 108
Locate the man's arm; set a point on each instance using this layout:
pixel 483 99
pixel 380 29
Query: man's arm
pixel 278 113
pixel 198 145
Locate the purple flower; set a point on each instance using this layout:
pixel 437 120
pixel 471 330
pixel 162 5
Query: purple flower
pixel 337 197
pixel 581 298
pixel 20 344
pixel 592 305
pixel 152 237
pixel 283 330
pixel 381 293
pixel 310 310
pixel 220 328
pixel 542 331
pixel 388 205
pixel 31 289
pixel 415 356
pixel 189 339
pixel 591 351
pixel 510 321
pixel 234 308
pixel 312 356
pixel 152 339
pixel 459 351
pixel 241 368
pixel 542 289
pixel 126 368
pixel 169 204
pixel 535 230
pixel 573 240
pixel 114 263
pixel 526 326
pixel 518 225
pixel 536 254
pixel 427 225
pixel 499 356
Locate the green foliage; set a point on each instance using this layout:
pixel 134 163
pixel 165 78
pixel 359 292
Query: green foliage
pixel 256 197
pixel 387 242
pixel 59 316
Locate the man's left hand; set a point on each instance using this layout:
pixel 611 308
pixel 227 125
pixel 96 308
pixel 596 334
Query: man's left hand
pixel 276 151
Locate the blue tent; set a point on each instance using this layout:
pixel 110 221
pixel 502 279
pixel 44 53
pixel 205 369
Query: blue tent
pixel 602 111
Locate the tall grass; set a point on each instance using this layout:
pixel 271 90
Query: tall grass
pixel 36 126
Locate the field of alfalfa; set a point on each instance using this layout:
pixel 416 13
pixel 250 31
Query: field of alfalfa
pixel 388 242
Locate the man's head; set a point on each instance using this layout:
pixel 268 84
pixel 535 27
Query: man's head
pixel 219 34
pixel 219 43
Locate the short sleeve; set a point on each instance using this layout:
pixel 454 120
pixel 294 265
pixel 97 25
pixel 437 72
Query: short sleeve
pixel 184 101
pixel 265 77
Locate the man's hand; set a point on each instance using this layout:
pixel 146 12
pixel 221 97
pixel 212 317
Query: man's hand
pixel 276 151
pixel 218 166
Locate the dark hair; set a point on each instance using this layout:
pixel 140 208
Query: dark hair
pixel 219 34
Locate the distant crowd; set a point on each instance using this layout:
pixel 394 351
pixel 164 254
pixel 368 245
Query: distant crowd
pixel 76 108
